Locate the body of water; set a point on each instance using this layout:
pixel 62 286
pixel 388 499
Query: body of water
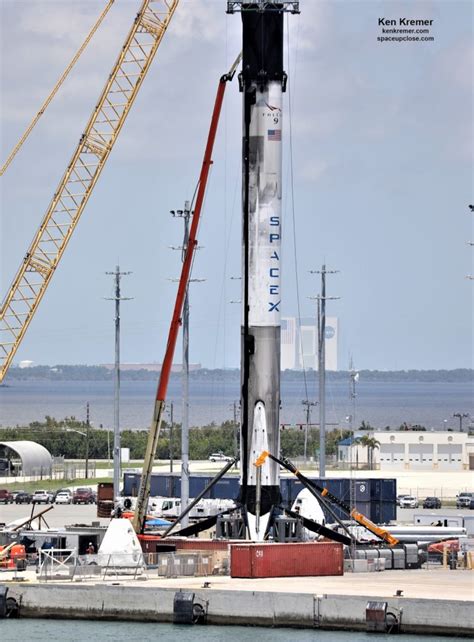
pixel 35 630
pixel 430 404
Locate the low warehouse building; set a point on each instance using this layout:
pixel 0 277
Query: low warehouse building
pixel 409 450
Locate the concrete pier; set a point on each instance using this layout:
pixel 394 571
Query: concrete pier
pixel 433 602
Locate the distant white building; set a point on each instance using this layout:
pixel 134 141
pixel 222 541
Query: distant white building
pixel 413 450
pixel 26 363
pixel 151 367
pixel 307 348
pixel 332 342
pixel 299 346
pixel 288 344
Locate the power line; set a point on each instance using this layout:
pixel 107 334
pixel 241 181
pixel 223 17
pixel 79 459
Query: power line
pixel 471 243
pixel 295 253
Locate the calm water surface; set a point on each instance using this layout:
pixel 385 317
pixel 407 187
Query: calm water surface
pixel 380 403
pixel 81 631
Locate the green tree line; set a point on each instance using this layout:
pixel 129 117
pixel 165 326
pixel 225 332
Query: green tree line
pixel 100 373
pixel 61 440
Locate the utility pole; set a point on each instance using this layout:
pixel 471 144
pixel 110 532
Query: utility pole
pixel 308 404
pixel 171 437
pixel 321 307
pixel 236 404
pixel 116 451
pixel 185 215
pixel 87 439
pixel 235 407
pixel 354 378
pixel 461 416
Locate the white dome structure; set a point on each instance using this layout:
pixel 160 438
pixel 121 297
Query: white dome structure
pixel 35 459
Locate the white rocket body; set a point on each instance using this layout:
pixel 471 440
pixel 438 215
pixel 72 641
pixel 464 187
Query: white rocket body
pixel 265 208
pixel 264 291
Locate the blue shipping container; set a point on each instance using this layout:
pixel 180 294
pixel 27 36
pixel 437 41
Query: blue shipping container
pixel 375 498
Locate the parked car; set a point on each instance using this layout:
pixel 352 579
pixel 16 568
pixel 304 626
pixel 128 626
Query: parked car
pixel 83 496
pixel 463 500
pixel 409 501
pixel 41 497
pixel 5 496
pixel 219 457
pixel 62 490
pixel 471 504
pixel 399 499
pixel 432 502
pixel 22 497
pixel 63 498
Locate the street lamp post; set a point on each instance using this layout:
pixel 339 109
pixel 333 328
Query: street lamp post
pixel 88 425
pixel 186 215
pixel 86 435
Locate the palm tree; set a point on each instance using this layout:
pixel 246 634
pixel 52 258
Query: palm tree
pixel 370 443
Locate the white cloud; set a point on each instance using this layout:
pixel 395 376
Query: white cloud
pixel 200 20
pixel 308 31
pixel 314 169
pixel 347 96
pixel 456 65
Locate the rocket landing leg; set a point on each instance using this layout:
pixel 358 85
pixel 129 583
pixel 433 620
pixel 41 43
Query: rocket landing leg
pixel 257 527
pixel 260 498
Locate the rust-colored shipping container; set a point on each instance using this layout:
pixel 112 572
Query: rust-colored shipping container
pixel 198 544
pixel 286 560
pixel 105 491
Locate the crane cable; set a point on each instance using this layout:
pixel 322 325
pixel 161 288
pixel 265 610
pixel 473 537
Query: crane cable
pixel 292 183
pixel 30 127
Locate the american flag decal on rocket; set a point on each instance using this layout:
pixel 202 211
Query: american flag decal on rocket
pixel 274 134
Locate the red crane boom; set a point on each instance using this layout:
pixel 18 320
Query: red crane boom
pixel 144 491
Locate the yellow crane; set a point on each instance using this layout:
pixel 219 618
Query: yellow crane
pixel 55 90
pixel 82 173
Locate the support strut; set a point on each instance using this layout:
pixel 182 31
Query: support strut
pixel 325 497
pixel 204 492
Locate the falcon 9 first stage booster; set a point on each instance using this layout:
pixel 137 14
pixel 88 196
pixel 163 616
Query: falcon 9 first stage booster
pixel 262 82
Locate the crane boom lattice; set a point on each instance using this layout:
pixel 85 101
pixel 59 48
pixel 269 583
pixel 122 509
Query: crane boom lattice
pixel 55 90
pixel 77 183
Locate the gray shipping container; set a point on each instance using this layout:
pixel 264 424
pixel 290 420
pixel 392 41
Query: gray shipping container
pixel 386 553
pixel 469 525
pixel 411 552
pixel 398 557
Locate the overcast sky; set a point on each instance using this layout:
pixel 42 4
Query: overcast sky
pixel 382 176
